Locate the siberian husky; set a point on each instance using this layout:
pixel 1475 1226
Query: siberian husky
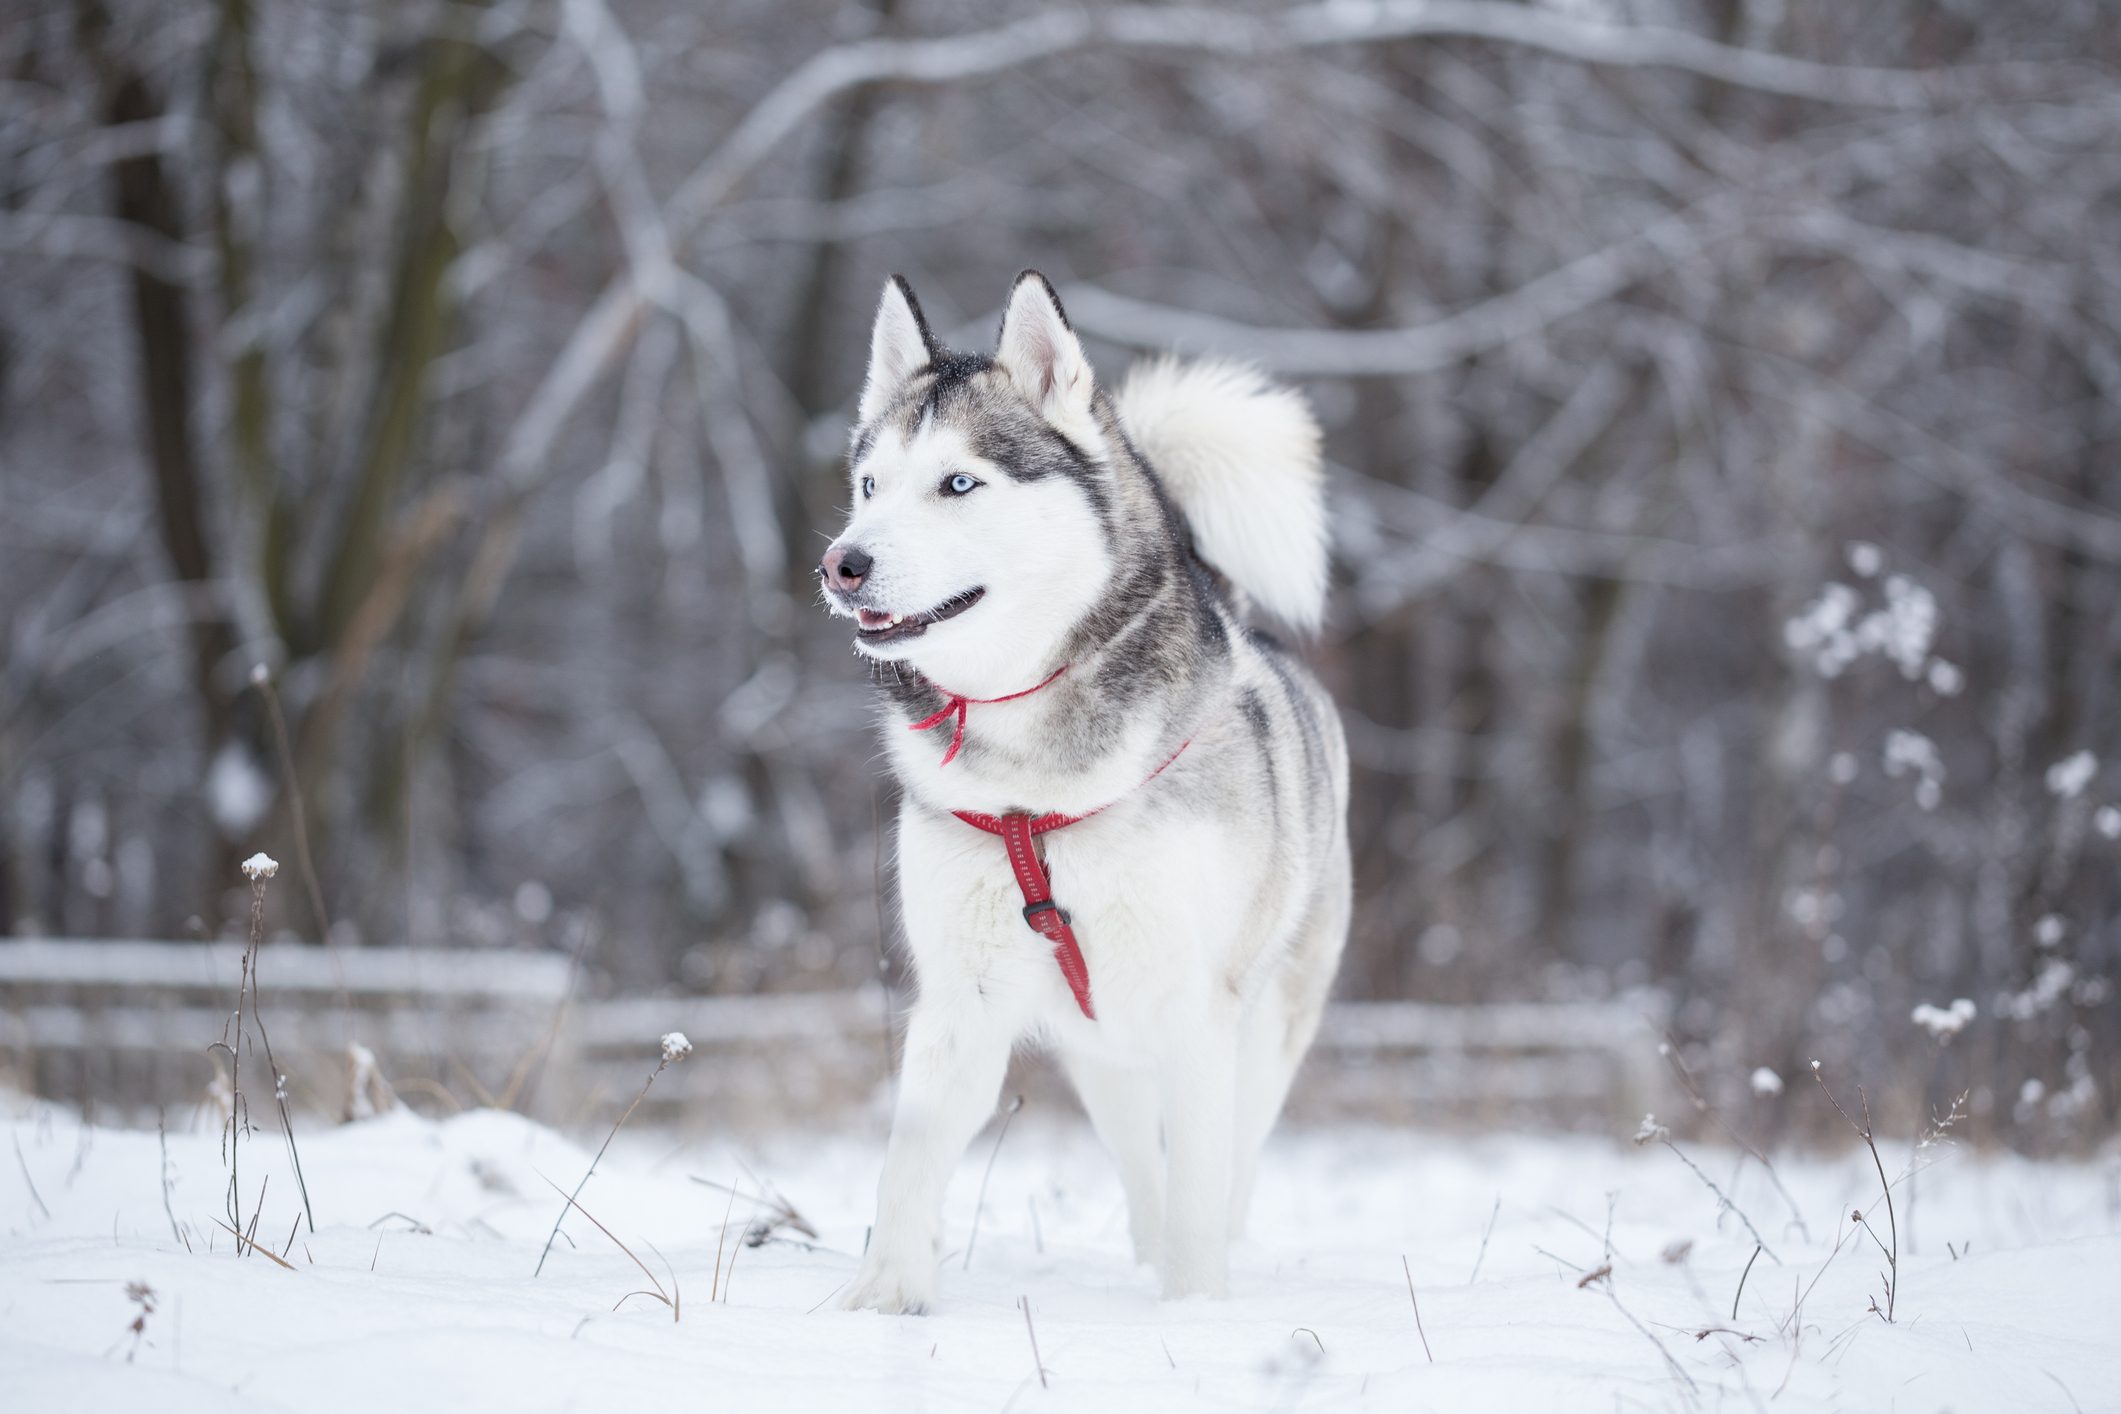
pixel 1124 826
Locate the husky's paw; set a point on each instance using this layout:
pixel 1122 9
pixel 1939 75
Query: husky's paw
pixel 894 1293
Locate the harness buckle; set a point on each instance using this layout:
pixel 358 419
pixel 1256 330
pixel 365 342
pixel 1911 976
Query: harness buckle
pixel 1042 906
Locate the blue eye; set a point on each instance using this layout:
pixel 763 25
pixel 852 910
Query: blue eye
pixel 868 487
pixel 958 485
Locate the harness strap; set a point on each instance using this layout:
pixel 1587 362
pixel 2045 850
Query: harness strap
pixel 955 705
pixel 1045 917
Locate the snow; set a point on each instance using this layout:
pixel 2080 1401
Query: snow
pixel 2068 777
pixel 260 866
pixel 675 1047
pixel 1944 1022
pixel 2108 822
pixel 1907 751
pixel 1766 1082
pixel 237 793
pixel 415 1292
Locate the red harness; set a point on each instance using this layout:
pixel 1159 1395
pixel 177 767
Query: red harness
pixel 954 705
pixel 1018 831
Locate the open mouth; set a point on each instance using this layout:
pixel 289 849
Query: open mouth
pixel 874 627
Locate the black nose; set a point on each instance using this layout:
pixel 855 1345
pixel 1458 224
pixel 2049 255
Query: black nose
pixel 846 566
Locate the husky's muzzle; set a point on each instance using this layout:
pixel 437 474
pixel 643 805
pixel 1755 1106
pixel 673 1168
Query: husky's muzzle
pixel 844 571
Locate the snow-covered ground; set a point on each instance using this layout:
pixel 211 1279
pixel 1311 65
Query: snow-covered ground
pixel 416 1292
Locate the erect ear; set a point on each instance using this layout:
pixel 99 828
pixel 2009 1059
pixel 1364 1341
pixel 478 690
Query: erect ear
pixel 1041 353
pixel 899 346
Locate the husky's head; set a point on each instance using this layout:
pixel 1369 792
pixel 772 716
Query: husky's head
pixel 980 536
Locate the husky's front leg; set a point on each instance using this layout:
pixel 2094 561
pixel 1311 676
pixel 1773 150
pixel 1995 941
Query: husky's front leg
pixel 1199 1075
pixel 956 1052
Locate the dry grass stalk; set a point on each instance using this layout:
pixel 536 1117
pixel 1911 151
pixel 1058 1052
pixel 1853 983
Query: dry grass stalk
pixel 259 870
pixel 772 1210
pixel 668 1298
pixel 1604 1276
pixel 1735 1296
pixel 675 1048
pixel 267 1252
pixel 1703 1108
pixel 33 1193
pixel 1480 1258
pixel 1651 1132
pixel 1891 1274
pixel 721 1236
pixel 143 1296
pixel 979 1206
pixel 1417 1311
pixel 1032 1331
pixel 162 1133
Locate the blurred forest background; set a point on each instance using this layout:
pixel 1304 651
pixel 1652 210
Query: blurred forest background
pixel 1721 397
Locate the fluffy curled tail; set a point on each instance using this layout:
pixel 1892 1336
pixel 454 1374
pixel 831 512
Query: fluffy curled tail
pixel 1240 456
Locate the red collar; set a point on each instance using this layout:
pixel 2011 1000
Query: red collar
pixel 954 705
pixel 1017 831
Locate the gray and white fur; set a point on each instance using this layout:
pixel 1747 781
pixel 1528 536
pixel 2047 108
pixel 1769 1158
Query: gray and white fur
pixel 1010 520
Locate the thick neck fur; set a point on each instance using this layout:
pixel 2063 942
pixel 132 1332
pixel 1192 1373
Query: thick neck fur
pixel 1144 667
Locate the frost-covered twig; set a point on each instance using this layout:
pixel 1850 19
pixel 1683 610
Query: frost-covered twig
pixel 1651 1132
pixel 1670 1051
pixel 675 1048
pixel 259 869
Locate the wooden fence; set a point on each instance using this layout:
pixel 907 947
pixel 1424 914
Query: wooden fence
pixel 127 1027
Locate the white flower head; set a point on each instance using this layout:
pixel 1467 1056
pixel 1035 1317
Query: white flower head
pixel 675 1047
pixel 260 866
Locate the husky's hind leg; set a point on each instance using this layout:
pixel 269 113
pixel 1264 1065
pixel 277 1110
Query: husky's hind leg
pixel 1275 1035
pixel 1264 1071
pixel 1122 1106
pixel 1198 1087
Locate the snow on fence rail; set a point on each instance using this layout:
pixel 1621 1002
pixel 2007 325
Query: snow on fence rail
pixel 126 1025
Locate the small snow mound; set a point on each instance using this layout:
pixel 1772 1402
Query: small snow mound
pixel 1651 1132
pixel 1766 1082
pixel 675 1047
pixel 260 866
pixel 1943 1023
